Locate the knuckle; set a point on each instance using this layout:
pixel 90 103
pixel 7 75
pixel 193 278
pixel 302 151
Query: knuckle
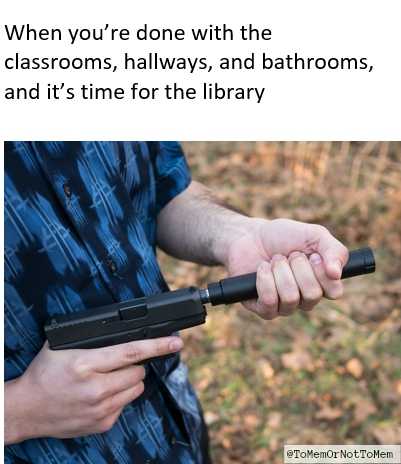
pixel 290 299
pixel 132 353
pixel 161 347
pixel 313 294
pixel 80 368
pixel 268 300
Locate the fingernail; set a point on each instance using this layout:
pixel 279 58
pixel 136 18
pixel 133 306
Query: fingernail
pixel 176 344
pixel 295 254
pixel 315 258
pixel 276 258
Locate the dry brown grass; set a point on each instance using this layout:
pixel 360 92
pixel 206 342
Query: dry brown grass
pixel 330 377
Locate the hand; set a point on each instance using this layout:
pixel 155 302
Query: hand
pixel 296 263
pixel 73 393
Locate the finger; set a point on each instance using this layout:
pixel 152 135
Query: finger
pixel 286 285
pixel 333 289
pixel 309 286
pixel 333 252
pixel 267 303
pixel 122 379
pixel 108 422
pixel 105 385
pixel 252 305
pixel 116 402
pixel 118 356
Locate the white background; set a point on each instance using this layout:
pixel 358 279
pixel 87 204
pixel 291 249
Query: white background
pixel 298 105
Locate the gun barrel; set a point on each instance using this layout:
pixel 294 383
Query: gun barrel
pixel 242 288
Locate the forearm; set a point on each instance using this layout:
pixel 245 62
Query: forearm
pixel 296 263
pixel 197 226
pixel 16 423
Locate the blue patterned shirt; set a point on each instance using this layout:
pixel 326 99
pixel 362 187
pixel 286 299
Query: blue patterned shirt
pixel 80 232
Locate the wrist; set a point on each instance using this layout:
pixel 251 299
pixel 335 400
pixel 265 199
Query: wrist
pixel 18 424
pixel 235 226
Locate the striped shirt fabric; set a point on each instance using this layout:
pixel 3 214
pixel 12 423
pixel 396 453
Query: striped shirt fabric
pixel 80 232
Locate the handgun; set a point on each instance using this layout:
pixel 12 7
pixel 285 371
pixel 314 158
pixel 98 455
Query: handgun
pixel 165 313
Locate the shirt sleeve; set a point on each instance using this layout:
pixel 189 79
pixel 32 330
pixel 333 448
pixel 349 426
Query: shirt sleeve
pixel 172 173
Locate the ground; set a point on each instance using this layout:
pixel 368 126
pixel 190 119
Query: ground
pixel 328 377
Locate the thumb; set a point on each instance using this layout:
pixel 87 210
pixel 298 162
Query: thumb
pixel 334 254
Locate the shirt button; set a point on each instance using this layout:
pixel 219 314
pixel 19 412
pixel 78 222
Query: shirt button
pixel 67 190
pixel 173 441
pixel 112 266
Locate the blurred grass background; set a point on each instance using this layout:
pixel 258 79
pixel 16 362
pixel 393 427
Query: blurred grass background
pixel 328 377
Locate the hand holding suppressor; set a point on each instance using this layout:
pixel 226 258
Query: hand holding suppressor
pixel 163 314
